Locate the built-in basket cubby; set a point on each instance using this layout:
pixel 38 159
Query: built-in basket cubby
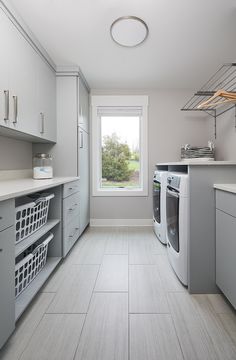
pixel 38 244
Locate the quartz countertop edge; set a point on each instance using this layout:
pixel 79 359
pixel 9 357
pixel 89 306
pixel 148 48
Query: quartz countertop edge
pixel 226 187
pixel 10 189
pixel 193 163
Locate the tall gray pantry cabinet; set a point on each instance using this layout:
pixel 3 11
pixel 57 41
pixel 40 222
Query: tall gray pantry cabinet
pixel 71 152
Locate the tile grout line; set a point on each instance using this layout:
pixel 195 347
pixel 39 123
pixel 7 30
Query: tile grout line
pixel 32 304
pixel 89 303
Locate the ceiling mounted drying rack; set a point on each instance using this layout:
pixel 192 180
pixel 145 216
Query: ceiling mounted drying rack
pixel 218 95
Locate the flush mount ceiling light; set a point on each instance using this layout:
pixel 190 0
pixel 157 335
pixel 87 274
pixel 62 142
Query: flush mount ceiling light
pixel 129 31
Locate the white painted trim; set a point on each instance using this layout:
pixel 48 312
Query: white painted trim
pixel 121 222
pixel 121 100
pixel 72 70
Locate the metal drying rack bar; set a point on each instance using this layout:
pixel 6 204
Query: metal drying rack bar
pixel 224 78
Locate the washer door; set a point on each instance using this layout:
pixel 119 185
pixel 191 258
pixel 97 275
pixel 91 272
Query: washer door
pixel 172 217
pixel 157 201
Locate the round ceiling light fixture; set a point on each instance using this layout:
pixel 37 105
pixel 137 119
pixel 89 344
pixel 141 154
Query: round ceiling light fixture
pixel 129 31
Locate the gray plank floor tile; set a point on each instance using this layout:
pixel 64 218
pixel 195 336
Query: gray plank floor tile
pixel 152 337
pixel 142 252
pixel 55 338
pixel 229 322
pixel 146 294
pixel 113 274
pixel 105 332
pixel 75 291
pixel 25 328
pixel 223 344
pixel 91 252
pixel 56 279
pixel 195 341
pixel 220 304
pixel 117 241
pixel 169 280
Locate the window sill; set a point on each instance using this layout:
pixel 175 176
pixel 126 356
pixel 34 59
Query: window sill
pixel 120 192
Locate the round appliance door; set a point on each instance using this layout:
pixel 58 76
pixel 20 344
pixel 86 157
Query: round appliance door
pixel 157 201
pixel 172 217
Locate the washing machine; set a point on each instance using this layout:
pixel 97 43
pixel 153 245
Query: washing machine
pixel 159 204
pixel 177 223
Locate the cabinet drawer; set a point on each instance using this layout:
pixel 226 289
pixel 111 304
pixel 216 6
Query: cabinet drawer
pixel 226 202
pixel 70 208
pixel 7 214
pixel 70 234
pixel 70 188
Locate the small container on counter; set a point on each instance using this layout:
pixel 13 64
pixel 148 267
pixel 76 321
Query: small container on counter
pixel 42 166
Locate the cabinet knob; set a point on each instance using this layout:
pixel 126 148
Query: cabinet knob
pixel 1 250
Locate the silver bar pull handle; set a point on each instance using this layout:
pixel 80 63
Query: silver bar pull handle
pixel 6 95
pixel 42 123
pixel 15 109
pixel 81 140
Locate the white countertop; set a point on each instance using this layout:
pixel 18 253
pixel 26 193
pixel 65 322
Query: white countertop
pixel 18 187
pixel 226 187
pixel 193 163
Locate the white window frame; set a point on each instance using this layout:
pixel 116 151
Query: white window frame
pixel 121 100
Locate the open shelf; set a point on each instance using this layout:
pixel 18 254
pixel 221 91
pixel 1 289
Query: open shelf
pixel 224 78
pixel 23 300
pixel 24 244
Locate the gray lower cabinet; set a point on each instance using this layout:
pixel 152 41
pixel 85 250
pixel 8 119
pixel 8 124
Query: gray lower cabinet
pixel 71 215
pixel 7 283
pixel 226 244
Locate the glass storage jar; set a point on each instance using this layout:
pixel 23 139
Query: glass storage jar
pixel 42 166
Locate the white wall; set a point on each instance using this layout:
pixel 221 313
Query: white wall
pixel 168 128
pixel 225 135
pixel 15 154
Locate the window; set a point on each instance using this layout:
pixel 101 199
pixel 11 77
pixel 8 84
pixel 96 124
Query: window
pixel 119 145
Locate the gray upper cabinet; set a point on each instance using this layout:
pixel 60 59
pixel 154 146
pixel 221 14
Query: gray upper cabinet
pixel 83 102
pixel 28 85
pixel 46 100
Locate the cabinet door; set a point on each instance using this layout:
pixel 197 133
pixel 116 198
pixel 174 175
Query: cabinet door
pixel 225 255
pixel 84 178
pixel 83 107
pixel 7 284
pixel 22 83
pixel 46 101
pixel 4 68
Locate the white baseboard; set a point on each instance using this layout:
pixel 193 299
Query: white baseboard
pixel 121 222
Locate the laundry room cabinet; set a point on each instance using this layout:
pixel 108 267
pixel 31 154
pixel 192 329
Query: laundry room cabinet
pixel 7 274
pixel 71 152
pixel 27 87
pixel 226 244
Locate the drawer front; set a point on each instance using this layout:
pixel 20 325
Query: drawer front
pixel 7 214
pixel 70 208
pixel 226 202
pixel 70 188
pixel 70 235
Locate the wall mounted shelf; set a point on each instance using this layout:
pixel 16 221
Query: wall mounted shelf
pixel 224 78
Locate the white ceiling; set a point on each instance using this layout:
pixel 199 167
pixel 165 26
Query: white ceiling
pixel 188 40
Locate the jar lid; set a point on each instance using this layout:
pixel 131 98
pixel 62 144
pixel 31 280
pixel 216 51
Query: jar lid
pixel 43 156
